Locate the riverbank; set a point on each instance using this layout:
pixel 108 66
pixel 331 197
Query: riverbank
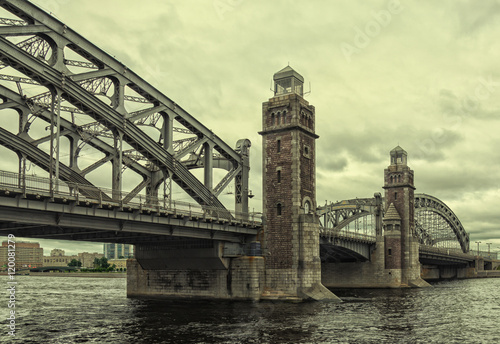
pixel 81 274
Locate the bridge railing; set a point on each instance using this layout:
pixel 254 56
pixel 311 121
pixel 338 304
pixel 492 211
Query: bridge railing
pixel 345 234
pixel 454 253
pixel 485 254
pixel 41 187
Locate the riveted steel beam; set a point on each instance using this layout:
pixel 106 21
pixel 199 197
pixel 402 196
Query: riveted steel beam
pixel 35 21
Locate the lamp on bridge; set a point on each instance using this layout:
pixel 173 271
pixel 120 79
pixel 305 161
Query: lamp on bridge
pixel 478 242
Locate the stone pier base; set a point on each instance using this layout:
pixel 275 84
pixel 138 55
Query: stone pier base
pixel 436 273
pixel 370 274
pixel 191 268
pixel 242 280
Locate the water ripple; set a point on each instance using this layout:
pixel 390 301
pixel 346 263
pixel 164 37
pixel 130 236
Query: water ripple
pixel 91 310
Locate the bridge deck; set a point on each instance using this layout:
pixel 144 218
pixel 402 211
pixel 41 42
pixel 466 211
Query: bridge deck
pixel 30 211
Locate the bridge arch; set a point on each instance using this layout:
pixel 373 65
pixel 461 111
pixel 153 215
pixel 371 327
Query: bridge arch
pixel 435 222
pixel 429 204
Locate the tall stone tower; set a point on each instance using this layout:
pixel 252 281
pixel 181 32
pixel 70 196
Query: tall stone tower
pixel 401 245
pixel 291 232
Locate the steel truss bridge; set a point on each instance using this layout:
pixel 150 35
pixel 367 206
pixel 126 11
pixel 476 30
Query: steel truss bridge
pixel 29 207
pixel 349 229
pixel 78 113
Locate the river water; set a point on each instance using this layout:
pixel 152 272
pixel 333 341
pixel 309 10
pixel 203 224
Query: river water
pixel 96 310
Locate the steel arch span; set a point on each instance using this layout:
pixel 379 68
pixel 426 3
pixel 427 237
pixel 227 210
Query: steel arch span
pixel 435 223
pixel 74 101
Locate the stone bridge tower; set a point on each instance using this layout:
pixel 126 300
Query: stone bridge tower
pixel 401 245
pixel 291 232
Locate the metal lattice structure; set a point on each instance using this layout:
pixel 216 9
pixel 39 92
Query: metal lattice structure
pixel 360 216
pixel 54 79
pixel 435 223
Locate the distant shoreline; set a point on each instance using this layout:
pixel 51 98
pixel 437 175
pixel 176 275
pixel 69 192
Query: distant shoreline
pixel 80 274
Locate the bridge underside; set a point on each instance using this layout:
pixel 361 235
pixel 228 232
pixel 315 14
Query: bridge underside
pixel 443 257
pixel 36 216
pixel 344 251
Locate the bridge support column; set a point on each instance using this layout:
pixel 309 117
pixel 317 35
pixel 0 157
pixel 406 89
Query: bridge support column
pixel 394 262
pixel 399 220
pixel 193 269
pixel 291 228
pixel 370 274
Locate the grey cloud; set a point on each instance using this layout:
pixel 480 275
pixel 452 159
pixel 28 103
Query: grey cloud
pixel 333 163
pixel 473 18
pixel 431 145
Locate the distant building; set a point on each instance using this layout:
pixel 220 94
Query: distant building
pixel 87 258
pixel 27 254
pixel 57 252
pixel 120 263
pixel 57 258
pixel 115 251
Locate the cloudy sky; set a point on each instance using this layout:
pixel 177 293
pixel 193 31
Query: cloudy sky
pixel 421 74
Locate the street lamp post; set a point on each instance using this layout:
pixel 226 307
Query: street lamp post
pixel 478 242
pixel 489 244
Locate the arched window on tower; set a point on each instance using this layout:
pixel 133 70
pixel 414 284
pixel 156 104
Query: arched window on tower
pixel 272 119
pixel 392 179
pixel 278 209
pixel 399 178
pixel 284 117
pixel 278 176
pixel 307 207
pixel 278 120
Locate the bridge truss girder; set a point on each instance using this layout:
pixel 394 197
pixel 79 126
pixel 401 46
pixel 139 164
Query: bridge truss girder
pixel 443 227
pixel 336 216
pixel 429 204
pixel 97 89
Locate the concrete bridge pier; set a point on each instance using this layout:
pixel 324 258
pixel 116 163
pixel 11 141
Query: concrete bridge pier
pixel 443 272
pixel 192 268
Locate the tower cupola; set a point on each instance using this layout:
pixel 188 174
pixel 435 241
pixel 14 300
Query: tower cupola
pixel 399 156
pixel 288 81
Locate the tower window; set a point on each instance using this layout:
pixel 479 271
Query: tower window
pixel 307 151
pixel 392 179
pixel 278 119
pixel 278 209
pixel 278 146
pixel 272 119
pixel 278 175
pixel 307 207
pixel 395 195
pixel 389 252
